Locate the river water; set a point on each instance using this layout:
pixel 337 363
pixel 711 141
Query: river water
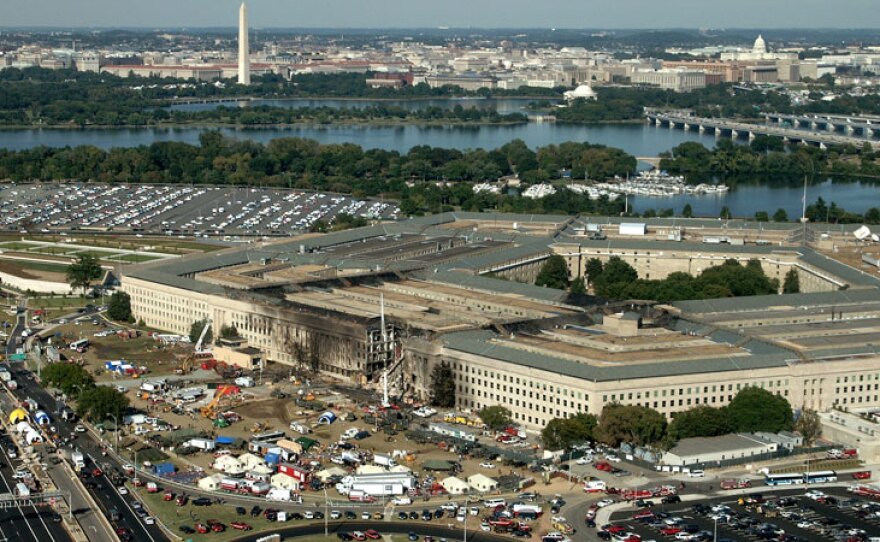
pixel 636 139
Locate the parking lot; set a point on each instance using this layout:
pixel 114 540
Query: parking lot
pixel 176 209
pixel 792 515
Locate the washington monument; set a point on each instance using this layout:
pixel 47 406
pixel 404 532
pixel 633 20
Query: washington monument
pixel 244 61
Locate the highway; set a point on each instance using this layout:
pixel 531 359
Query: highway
pixel 103 490
pixel 25 523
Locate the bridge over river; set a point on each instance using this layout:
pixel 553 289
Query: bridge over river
pixel 735 129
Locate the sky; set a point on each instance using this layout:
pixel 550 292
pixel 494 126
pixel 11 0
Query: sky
pixel 454 13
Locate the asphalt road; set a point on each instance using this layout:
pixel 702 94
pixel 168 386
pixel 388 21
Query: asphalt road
pixel 27 523
pixel 105 494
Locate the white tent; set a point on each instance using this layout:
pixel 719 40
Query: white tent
pixel 325 474
pixel 23 427
pixel 455 486
pixel 283 481
pixel 228 465
pixel 32 437
pixel 250 461
pixel 210 483
pixel 370 469
pixel 400 468
pixel 482 483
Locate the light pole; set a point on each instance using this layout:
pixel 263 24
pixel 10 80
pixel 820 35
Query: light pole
pixel 467 501
pixel 715 531
pixel 116 430
pixel 326 514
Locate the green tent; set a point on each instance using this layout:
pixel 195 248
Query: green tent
pixel 438 465
pixel 306 443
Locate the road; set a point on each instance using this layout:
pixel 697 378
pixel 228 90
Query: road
pixel 25 523
pixel 103 491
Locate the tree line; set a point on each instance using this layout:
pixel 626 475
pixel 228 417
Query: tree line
pixel 617 280
pixel 752 409
pixel 344 168
pixel 93 402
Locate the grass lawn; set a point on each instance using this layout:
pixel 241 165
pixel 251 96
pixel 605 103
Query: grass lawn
pixel 21 267
pixel 51 250
pixel 16 245
pixel 59 301
pixel 173 517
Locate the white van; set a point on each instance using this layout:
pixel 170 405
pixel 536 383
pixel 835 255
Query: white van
pixel 494 503
pixel 696 473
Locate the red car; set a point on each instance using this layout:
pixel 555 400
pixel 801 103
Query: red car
pixel 241 526
pixel 201 528
pixel 614 529
pixel 216 526
pixel 670 531
pixel 97 472
pixel 633 538
pixel 372 535
pixel 862 475
pixel 604 466
pixel 168 496
pixel 643 514
pixel 182 500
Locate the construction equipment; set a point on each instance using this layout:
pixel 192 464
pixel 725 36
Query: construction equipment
pixel 259 426
pixel 204 332
pixel 222 390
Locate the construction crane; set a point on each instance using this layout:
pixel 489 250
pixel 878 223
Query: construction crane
pixel 208 410
pixel 205 329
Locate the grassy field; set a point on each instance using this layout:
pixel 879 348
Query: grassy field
pixel 60 302
pixel 55 251
pixel 15 245
pixel 21 268
pixel 174 516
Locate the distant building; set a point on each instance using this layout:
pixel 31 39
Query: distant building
pixel 679 80
pixel 585 92
pixel 89 62
pixel 466 82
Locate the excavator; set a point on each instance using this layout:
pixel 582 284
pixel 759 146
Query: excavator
pixel 208 410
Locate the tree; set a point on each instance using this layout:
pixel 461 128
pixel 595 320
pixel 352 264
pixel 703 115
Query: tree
pixel 195 331
pixel 578 286
pixel 780 216
pixel 228 332
pixel 563 433
pixel 83 272
pixel 755 409
pixel 700 421
pixel 762 216
pixel 725 213
pixel 554 273
pixel 634 424
pixel 70 378
pixel 809 426
pixel 98 403
pixel 792 283
pixel 443 385
pixel 594 269
pixel 496 417
pixel 687 211
pixel 119 308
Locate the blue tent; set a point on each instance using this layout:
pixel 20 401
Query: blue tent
pixel 326 418
pixel 163 468
pixel 224 440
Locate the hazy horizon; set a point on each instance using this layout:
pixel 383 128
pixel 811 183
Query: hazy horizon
pixel 415 14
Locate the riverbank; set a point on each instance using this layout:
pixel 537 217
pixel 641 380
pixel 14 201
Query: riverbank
pixel 269 126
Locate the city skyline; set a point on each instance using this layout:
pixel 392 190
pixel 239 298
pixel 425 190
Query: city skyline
pixel 623 14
